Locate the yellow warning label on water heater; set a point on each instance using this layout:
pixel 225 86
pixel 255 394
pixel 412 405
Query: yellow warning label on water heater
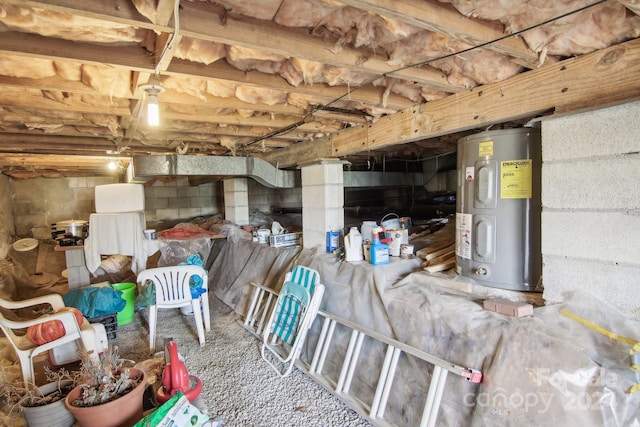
pixel 485 149
pixel 515 179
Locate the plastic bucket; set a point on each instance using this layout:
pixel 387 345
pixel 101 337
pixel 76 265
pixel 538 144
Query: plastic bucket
pixel 391 223
pixel 128 294
pixel 263 235
pixel 25 252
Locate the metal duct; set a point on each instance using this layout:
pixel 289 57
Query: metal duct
pixel 143 168
pixel 382 179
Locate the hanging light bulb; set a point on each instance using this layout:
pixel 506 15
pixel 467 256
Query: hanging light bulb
pixel 153 89
pixel 153 110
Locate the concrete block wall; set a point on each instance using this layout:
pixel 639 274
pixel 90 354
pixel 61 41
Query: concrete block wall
pixel 40 202
pixel 263 198
pixel 322 202
pixel 236 200
pixel 7 225
pixel 591 206
pixel 174 198
pixel 289 197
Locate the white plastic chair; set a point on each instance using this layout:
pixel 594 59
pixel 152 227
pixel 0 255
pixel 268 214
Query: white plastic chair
pixel 172 290
pixel 83 335
pixel 293 314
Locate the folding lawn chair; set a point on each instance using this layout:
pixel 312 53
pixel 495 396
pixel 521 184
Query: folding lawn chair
pixel 293 314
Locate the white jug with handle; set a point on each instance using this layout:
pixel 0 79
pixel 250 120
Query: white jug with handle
pixel 353 245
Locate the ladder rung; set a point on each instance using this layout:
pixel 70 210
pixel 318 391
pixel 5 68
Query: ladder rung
pixel 382 378
pixel 389 380
pixel 261 305
pixel 434 397
pixel 347 361
pixel 354 362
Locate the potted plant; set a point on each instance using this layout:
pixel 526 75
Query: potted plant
pixel 41 406
pixel 97 402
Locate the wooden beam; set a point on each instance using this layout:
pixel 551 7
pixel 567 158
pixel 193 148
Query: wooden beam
pixel 445 19
pixel 206 24
pixel 117 11
pixel 135 59
pixel 232 119
pixel 30 99
pixel 48 83
pixel 32 45
pixel 166 43
pixel 54 141
pixel 602 77
pixel 170 96
pixel 220 70
pixel 164 11
pixel 60 162
pixel 632 5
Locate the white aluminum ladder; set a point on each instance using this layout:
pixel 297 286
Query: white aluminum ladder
pixel 262 303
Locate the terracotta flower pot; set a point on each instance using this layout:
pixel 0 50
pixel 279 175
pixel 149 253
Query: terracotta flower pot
pixel 124 411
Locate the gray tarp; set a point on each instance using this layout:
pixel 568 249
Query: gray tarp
pixel 542 370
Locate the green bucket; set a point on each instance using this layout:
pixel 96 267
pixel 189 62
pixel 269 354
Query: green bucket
pixel 128 294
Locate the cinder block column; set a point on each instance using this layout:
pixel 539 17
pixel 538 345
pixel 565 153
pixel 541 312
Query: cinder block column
pixel 236 200
pixel 322 201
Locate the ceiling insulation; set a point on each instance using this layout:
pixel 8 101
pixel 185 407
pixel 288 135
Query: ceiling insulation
pixel 291 81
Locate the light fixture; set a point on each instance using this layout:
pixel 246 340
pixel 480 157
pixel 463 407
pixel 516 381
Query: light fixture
pixel 153 89
pixel 112 165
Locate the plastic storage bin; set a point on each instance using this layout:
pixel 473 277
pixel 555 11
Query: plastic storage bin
pixel 110 322
pixel 68 353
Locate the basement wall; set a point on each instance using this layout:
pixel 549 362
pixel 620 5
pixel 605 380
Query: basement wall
pixel 264 199
pixel 40 202
pixel 173 198
pixel 34 204
pixel 591 206
pixel 6 217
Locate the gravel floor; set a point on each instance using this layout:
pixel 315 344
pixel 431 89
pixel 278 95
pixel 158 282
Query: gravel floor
pixel 238 386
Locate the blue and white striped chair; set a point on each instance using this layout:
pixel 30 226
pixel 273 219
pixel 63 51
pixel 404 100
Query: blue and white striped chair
pixel 295 310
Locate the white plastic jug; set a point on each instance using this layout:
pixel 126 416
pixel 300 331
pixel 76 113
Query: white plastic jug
pixel 367 227
pixel 353 245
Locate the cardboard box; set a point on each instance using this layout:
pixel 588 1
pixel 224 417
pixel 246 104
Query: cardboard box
pixel 288 239
pixel 510 308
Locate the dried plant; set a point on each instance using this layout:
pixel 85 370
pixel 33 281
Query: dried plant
pixel 14 395
pixel 106 381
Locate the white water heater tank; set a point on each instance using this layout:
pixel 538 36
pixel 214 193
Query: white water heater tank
pixel 498 207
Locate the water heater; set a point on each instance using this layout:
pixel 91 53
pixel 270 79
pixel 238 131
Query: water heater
pixel 498 208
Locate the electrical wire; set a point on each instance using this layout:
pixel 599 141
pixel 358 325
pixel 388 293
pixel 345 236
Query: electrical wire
pixel 174 36
pixel 422 63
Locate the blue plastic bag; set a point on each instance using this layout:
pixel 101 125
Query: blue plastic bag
pixel 195 282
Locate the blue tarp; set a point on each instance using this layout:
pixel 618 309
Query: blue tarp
pixel 95 301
